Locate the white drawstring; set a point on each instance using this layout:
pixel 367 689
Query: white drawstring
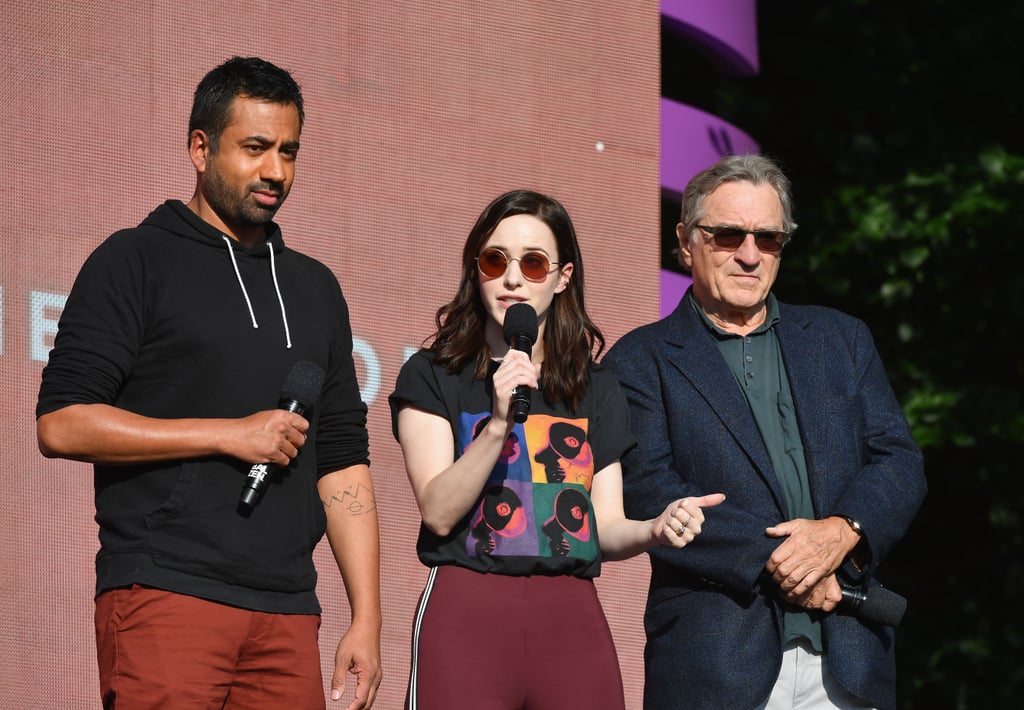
pixel 238 275
pixel 284 316
pixel 277 289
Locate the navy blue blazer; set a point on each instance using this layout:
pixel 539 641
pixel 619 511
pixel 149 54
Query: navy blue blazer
pixel 712 618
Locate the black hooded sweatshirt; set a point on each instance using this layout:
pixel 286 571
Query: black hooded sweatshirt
pixel 173 319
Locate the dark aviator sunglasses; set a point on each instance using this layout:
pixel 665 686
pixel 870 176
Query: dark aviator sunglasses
pixel 769 241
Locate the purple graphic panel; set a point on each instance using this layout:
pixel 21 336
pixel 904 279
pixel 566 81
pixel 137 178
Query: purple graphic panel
pixel 673 286
pixel 728 28
pixel 691 140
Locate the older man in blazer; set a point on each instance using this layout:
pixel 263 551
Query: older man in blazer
pixel 788 411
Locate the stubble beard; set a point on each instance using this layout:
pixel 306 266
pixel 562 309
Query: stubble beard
pixel 235 209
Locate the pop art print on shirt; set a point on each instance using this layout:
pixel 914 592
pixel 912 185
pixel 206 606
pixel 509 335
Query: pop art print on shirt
pixel 536 500
pixel 513 461
pixel 502 523
pixel 565 529
pixel 559 450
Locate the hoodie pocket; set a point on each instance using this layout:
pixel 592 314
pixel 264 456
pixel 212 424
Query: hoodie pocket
pixel 199 530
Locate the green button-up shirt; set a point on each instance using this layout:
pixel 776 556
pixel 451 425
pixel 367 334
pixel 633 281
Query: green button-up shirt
pixel 756 362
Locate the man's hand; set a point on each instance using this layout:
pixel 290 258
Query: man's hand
pixel 272 436
pixel 359 654
pixel 825 595
pixel 813 550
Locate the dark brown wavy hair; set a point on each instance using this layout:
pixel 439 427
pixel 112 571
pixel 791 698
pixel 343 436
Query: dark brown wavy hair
pixel 571 339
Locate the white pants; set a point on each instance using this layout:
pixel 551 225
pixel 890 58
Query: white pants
pixel 805 683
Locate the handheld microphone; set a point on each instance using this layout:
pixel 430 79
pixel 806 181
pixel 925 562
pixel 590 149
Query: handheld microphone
pixel 874 604
pixel 300 392
pixel 520 331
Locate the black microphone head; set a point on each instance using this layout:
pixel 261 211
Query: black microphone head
pixel 303 384
pixel 883 605
pixel 520 320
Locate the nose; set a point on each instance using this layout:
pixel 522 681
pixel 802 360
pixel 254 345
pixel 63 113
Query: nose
pixel 273 168
pixel 513 276
pixel 748 253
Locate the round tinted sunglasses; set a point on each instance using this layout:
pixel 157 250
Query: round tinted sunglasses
pixel 769 241
pixel 534 265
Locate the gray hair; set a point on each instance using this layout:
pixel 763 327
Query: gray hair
pixel 752 168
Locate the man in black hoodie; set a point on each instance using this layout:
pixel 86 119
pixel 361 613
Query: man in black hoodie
pixel 166 373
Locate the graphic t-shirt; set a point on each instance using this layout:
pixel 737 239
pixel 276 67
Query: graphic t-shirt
pixel 534 515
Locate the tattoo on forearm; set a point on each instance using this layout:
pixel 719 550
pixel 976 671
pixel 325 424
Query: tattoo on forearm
pixel 357 500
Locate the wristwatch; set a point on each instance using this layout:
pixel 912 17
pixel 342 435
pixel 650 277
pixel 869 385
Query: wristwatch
pixel 852 523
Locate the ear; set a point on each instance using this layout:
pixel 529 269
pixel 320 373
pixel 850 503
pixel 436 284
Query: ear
pixel 564 274
pixel 199 149
pixel 685 247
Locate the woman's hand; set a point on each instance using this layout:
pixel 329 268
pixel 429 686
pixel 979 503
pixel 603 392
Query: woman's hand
pixel 515 370
pixel 682 520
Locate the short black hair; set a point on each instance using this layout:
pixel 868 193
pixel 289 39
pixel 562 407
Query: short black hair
pixel 250 77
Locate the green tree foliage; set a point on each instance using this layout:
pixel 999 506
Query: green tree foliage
pixel 901 127
pixel 930 265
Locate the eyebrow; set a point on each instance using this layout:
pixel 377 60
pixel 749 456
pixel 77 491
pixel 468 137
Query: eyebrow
pixel 542 250
pixel 292 145
pixel 751 229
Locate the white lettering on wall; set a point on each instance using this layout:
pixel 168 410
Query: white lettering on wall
pixel 44 314
pixel 41 327
pixel 370 388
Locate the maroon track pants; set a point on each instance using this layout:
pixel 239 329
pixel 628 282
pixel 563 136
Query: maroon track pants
pixel 494 642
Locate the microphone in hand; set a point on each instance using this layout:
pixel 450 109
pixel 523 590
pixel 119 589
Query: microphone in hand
pixel 300 392
pixel 520 331
pixel 873 604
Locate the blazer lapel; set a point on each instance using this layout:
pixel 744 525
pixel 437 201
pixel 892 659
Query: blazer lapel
pixel 691 350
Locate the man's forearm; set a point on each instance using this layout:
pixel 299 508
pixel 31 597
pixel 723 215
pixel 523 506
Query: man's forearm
pixel 353 533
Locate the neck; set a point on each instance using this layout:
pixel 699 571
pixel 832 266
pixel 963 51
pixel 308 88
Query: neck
pixel 250 235
pixel 738 321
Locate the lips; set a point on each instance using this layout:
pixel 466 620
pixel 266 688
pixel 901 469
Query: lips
pixel 267 199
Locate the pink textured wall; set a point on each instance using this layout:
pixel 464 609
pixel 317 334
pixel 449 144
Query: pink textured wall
pixel 418 113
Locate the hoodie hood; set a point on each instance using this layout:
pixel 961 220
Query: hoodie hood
pixel 175 217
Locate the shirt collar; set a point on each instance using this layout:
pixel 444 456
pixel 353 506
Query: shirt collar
pixel 771 318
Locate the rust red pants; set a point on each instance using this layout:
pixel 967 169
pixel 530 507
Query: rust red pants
pixel 159 649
